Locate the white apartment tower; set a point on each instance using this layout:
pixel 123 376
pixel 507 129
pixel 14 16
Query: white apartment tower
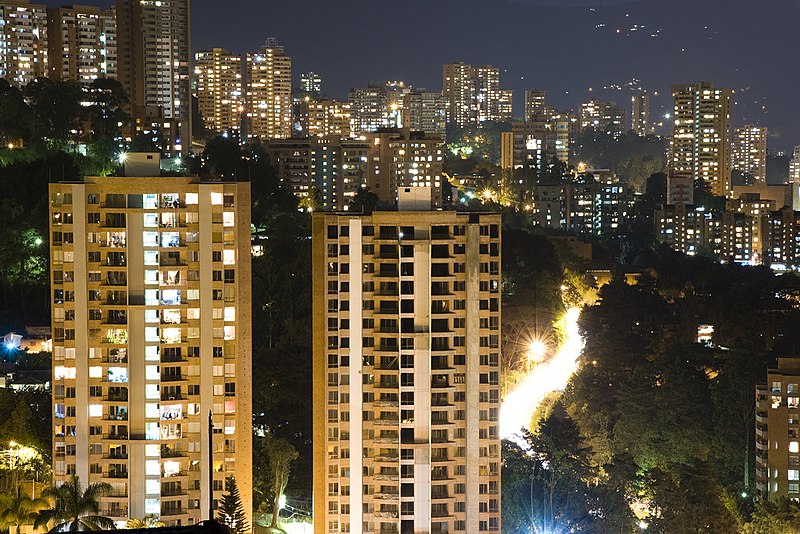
pixel 151 319
pixel 406 371
pixel 269 92
pixel 23 41
pixel 218 74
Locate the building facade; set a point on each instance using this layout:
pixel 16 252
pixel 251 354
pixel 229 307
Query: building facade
pixel 640 114
pixel 336 167
pixel 534 103
pixel 154 67
pixel 424 111
pixel 321 118
pixel 602 116
pixel 777 423
pixel 406 372
pixel 82 43
pixel 399 157
pixel 269 92
pixel 151 333
pixel 369 108
pixel 218 74
pixel 701 136
pixel 750 152
pixel 23 41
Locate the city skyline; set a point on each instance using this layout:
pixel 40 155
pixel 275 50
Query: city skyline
pixel 710 47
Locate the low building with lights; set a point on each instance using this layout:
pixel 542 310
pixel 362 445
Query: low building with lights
pixel 151 326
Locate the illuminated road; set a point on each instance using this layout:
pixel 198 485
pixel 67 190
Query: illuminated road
pixel 550 375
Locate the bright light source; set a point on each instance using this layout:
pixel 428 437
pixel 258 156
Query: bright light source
pixel 282 502
pixel 122 156
pixel 38 241
pixel 536 351
pixel 643 524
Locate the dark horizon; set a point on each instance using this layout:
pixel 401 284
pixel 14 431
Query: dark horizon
pixel 576 51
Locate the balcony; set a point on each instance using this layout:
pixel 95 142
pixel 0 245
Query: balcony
pixel 116 474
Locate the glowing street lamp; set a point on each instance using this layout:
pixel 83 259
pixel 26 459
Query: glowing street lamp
pixel 536 351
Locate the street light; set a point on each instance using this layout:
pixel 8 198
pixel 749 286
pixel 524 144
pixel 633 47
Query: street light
pixel 536 351
pixel 643 524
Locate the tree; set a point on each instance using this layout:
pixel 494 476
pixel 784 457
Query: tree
pixel 148 521
pixel 363 201
pixel 231 510
pixel 18 509
pixel 281 454
pixel 75 509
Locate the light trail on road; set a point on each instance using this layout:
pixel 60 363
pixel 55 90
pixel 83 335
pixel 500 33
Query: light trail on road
pixel 546 377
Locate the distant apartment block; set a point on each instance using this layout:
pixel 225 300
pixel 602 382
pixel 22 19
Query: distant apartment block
pixel 23 41
pixel 218 75
pixel 269 92
pixel 82 43
pixel 702 134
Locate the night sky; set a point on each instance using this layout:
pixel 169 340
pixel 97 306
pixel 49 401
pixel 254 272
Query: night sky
pixel 563 46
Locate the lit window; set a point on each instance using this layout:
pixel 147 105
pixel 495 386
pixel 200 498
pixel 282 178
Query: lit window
pixel 216 199
pixel 95 410
pixel 227 218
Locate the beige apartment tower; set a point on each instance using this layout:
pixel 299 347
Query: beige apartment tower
pixel 269 92
pixel 218 74
pixel 82 42
pixel 154 67
pixel 151 323
pixel 406 371
pixel 750 152
pixel 23 41
pixel 701 139
pixel 778 432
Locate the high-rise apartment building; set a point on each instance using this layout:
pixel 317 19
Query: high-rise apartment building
pixel 406 393
pixel 311 83
pixel 750 152
pixel 424 111
pixel 269 92
pixel 702 136
pixel 534 103
pixel 23 41
pixel 336 167
pixel 640 114
pixel 794 166
pixel 153 65
pixel 151 319
pixel 603 116
pixel 218 74
pixel 82 43
pixel 473 94
pixel 460 93
pixel 399 158
pixel 369 108
pixel 321 118
pixel 777 428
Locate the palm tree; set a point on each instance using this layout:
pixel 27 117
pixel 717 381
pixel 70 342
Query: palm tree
pixel 74 509
pixel 18 509
pixel 149 521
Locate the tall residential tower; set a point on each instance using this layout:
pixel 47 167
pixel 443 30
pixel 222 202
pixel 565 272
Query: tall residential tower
pixel 151 319
pixel 406 371
pixel 701 139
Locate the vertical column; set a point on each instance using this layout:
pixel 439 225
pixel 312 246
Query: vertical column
pixel 472 460
pixel 356 399
pixel 422 380
pixel 206 339
pixel 81 326
pixel 136 365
